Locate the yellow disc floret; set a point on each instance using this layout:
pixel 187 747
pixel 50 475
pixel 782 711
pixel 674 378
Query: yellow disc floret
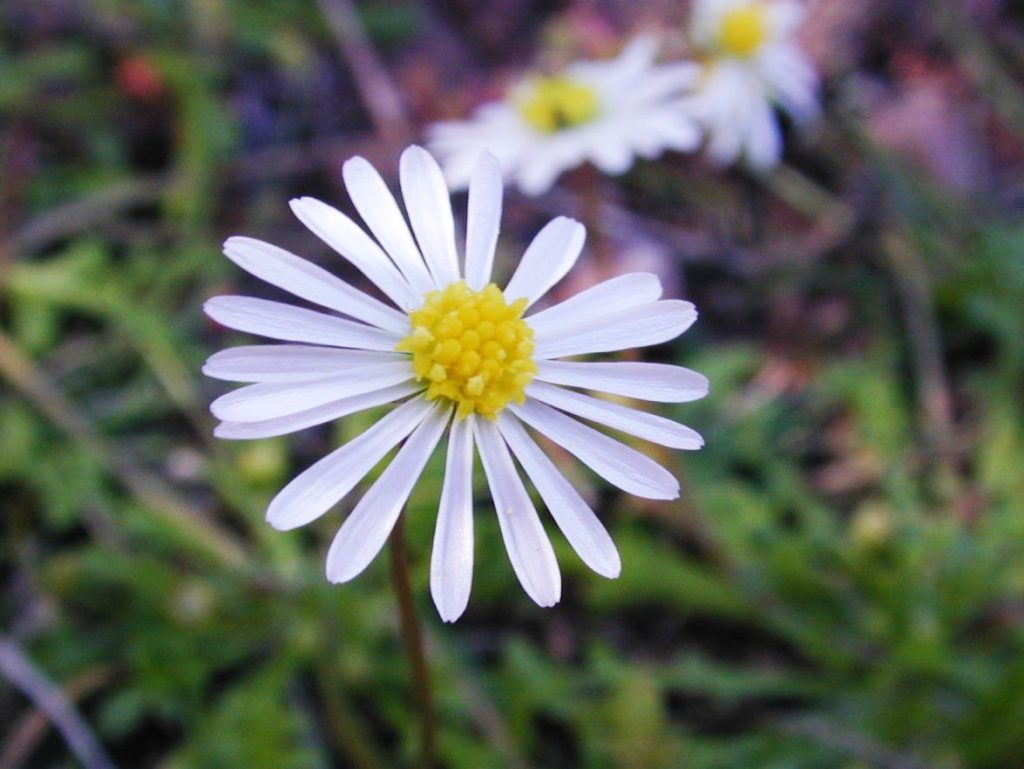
pixel 472 348
pixel 743 29
pixel 552 104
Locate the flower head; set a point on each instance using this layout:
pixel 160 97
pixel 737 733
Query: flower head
pixel 602 112
pixel 751 63
pixel 458 356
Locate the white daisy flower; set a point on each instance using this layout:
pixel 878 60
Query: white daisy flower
pixel 602 112
pixel 751 62
pixel 459 356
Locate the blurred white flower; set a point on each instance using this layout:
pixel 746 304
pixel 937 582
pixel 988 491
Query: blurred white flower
pixel 460 356
pixel 602 112
pixel 751 62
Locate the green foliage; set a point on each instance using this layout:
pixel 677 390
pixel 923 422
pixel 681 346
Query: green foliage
pixel 829 592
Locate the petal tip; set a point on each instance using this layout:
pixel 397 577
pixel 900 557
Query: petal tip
pixel 612 569
pixel 450 615
pixel 276 520
pixel 355 165
pixel 488 157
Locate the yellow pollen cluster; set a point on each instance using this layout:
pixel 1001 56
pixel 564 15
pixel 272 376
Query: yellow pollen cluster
pixel 472 348
pixel 557 103
pixel 743 29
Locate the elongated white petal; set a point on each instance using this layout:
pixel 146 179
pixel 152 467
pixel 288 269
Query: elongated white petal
pixel 581 527
pixel 378 208
pixel 616 462
pixel 269 400
pixel 322 486
pixel 636 327
pixel 764 138
pixel 609 296
pixel 650 427
pixel 367 528
pixel 290 423
pixel 483 220
pixel 307 281
pixel 289 362
pixel 348 239
pixel 429 206
pixel 451 563
pixel 552 253
pixel 657 382
pixel 528 546
pixel 275 320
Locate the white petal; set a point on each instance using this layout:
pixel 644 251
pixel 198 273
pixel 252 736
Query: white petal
pixel 548 258
pixel 307 281
pixel 300 420
pixel 537 173
pixel 658 382
pixel 635 59
pixel 616 462
pixel 429 206
pixel 581 527
pixel 367 528
pixel 483 220
pixel 660 85
pixel 609 296
pixel 321 487
pixel 650 427
pixel 348 239
pixel 275 320
pixel 269 400
pixel 764 138
pixel 451 563
pixel 379 210
pixel 792 79
pixel 610 153
pixel 529 549
pixel 785 17
pixel 288 362
pixel 636 327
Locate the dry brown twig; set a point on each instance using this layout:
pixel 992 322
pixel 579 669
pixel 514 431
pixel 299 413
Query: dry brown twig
pixel 923 336
pixel 382 98
pixel 17 668
pixel 29 730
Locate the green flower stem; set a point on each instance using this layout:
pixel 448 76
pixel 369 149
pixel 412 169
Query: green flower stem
pixel 412 636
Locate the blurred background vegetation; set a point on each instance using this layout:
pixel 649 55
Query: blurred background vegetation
pixel 842 584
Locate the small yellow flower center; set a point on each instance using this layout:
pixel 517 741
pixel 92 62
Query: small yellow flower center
pixel 555 103
pixel 472 348
pixel 743 29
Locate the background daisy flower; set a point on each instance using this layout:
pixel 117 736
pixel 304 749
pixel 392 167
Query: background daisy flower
pixel 603 112
pixel 459 356
pixel 751 62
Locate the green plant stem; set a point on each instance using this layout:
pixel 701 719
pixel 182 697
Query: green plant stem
pixel 412 636
pixel 348 733
pixel 935 394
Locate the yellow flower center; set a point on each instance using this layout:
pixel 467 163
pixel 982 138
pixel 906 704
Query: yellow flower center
pixel 743 29
pixel 556 103
pixel 472 348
